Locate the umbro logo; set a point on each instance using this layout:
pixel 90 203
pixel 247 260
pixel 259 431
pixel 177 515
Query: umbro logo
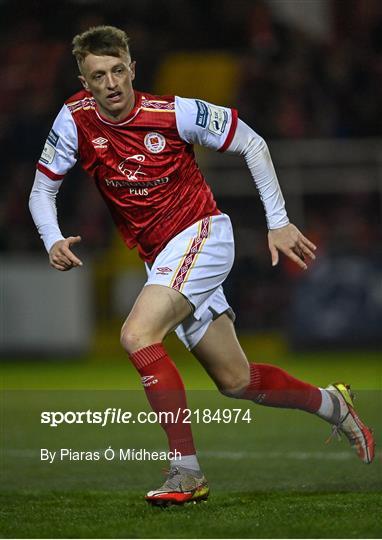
pixel 100 142
pixel 260 398
pixel 149 380
pixel 163 270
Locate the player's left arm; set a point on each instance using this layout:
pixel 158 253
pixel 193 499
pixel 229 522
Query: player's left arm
pixel 220 129
pixel 282 235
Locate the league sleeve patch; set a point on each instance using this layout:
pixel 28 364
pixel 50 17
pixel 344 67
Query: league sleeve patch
pixel 49 150
pixel 218 119
pixel 48 153
pixel 53 138
pixel 202 116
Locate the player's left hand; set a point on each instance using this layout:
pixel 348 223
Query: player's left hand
pixel 290 241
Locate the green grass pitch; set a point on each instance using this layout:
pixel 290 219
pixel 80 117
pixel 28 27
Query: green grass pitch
pixel 272 478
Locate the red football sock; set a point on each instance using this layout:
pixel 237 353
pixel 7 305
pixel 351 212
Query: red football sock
pixel 274 387
pixel 165 391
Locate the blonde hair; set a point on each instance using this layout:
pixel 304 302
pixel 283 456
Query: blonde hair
pixel 101 41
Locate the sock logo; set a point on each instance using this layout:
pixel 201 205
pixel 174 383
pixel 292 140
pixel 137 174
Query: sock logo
pixel 149 380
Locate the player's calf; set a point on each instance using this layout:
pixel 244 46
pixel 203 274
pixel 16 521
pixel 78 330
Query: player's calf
pixel 274 387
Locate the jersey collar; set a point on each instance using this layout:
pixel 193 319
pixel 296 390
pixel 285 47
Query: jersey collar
pixel 132 114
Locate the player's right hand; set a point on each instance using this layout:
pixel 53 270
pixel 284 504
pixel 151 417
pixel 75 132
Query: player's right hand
pixel 60 255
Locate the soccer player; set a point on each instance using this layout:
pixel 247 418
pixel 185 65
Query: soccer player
pixel 138 148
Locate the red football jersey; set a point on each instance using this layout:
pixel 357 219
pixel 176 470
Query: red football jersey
pixel 144 165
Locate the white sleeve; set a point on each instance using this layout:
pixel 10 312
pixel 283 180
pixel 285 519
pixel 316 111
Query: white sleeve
pixel 60 151
pixel 200 122
pixel 255 151
pixel 42 204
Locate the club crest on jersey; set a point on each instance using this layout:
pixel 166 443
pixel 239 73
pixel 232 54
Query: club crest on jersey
pixel 154 142
pixel 100 142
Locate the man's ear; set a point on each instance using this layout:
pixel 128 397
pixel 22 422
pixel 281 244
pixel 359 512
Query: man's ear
pixel 132 70
pixel 83 81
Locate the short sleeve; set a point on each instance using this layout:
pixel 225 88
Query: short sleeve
pixel 60 150
pixel 200 122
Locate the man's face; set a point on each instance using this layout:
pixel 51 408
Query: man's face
pixel 109 79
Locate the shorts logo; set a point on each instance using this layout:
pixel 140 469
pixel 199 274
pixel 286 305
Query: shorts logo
pixel 163 270
pixel 154 142
pixel 202 116
pixel 100 142
pixel 149 380
pixel 49 150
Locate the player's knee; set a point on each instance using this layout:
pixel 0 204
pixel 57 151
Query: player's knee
pixel 233 387
pixel 135 336
pixel 131 339
pixel 232 392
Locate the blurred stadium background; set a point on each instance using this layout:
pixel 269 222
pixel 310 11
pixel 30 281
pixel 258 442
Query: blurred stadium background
pixel 306 74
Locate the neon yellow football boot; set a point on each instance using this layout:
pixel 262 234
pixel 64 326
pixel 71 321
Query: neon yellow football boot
pixel 181 486
pixel 349 423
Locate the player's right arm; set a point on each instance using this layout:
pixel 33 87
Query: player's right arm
pixel 58 157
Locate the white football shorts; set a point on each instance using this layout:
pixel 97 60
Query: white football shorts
pixel 196 262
